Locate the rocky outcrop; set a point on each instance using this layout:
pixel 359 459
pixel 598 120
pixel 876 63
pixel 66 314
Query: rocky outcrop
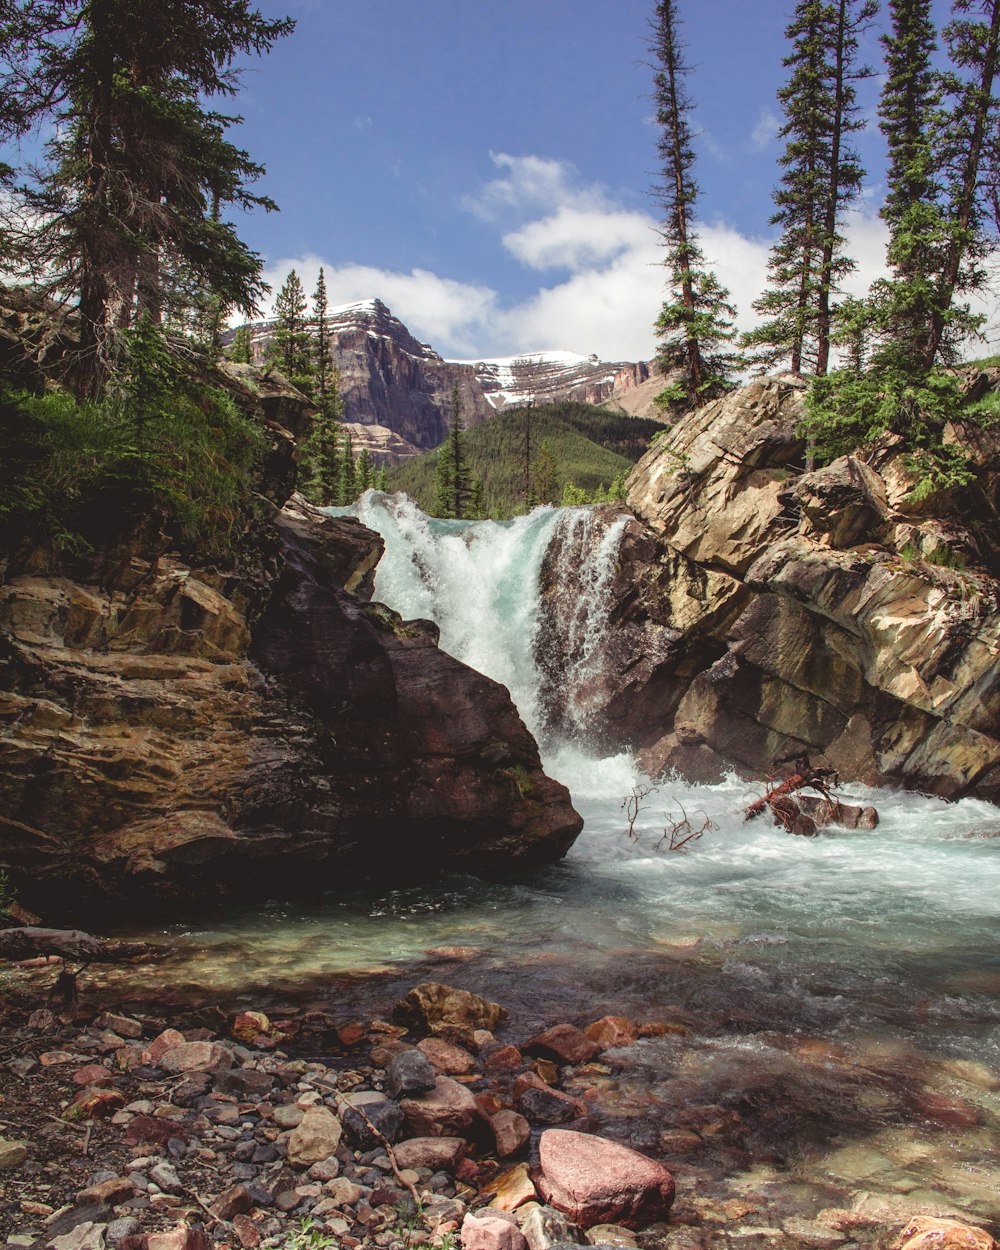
pixel 760 611
pixel 177 736
pixel 550 377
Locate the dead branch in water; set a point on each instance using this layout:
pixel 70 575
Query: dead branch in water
pixel 678 833
pixel 30 942
pixel 632 806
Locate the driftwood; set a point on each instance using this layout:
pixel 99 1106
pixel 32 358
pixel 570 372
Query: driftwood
pixel 30 942
pixel 803 814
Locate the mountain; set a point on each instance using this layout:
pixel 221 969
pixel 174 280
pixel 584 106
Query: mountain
pixel 397 390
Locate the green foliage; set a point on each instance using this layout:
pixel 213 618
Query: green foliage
pixel 7 896
pixel 452 483
pixel 291 347
pixel 161 444
pixel 590 446
pixel 240 350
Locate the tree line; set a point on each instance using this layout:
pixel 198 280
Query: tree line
pixel 939 113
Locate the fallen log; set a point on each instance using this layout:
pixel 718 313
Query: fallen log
pixel 30 942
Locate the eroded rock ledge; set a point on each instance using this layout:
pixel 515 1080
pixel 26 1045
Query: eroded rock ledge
pixel 760 610
pixel 176 736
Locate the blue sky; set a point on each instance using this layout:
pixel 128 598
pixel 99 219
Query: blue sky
pixel 486 168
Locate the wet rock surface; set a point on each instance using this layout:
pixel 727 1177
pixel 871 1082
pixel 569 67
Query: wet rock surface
pixel 757 611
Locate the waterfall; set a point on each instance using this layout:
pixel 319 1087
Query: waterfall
pixel 499 589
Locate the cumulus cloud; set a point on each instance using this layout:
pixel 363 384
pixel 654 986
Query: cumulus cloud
pixel 604 280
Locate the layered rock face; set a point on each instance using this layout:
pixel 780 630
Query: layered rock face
pixel 761 611
pixel 397 390
pixel 177 736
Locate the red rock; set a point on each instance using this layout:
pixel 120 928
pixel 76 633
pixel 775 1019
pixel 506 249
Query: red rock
pixel 249 1025
pixel 90 1074
pixel 159 1046
pixel 124 1026
pixel 446 1057
pixel 447 1110
pixel 491 1232
pixel 148 1130
pixel 232 1201
pixel 351 1034
pixel 955 1112
pixel 181 1237
pixel 94 1103
pixel 246 1233
pixel 488 1103
pixel 595 1181
pixel 612 1031
pixel 565 1043
pixel 511 1132
pixel 196 1057
pixel 527 1080
pixel 440 1154
pixel 924 1232
pixel 549 1106
pixel 547 1070
pixel 106 1193
pixel 511 1189
pixel 504 1059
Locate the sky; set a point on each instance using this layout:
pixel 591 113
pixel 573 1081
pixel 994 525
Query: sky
pixel 486 169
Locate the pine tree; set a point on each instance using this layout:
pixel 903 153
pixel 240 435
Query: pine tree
pixel 822 177
pixel 364 470
pixel 546 475
pixel 241 348
pixel 452 488
pixel 322 465
pixel 321 339
pixel 348 477
pixel 290 344
pixel 138 167
pixel 695 324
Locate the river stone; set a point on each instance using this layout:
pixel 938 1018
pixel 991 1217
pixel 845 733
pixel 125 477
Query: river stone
pixel 288 1116
pixel 439 1154
pixel 924 1232
pixel 85 1236
pixel 447 1110
pixel 511 1132
pixel 317 1137
pixel 596 1181
pixel 565 1043
pixel 611 1031
pixel 543 1227
pixel 409 1072
pixel 441 1007
pixel 491 1232
pixel 364 1124
pixel 12 1154
pixel 547 1106
pixel 196 1057
pixel 446 1057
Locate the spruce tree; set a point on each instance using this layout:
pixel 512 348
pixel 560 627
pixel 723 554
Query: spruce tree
pixel 321 340
pixel 452 487
pixel 822 177
pixel 364 469
pixel 695 325
pixel 290 344
pixel 348 477
pixel 547 487
pixel 241 348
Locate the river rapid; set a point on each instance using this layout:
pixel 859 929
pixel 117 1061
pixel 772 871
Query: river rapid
pixel 828 1007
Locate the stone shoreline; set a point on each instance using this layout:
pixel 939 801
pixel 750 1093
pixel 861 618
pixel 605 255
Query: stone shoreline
pixel 433 1129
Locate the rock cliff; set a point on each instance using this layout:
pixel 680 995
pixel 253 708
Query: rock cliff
pixel 760 610
pixel 176 736
pixel 397 390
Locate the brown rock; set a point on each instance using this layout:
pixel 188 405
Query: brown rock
pixel 503 1059
pixel 565 1043
pixel 148 1130
pixel 246 1232
pixel 595 1181
pixel 124 1026
pixel 511 1132
pixel 611 1031
pixel 231 1202
pixel 106 1193
pixel 440 1154
pixel 316 1138
pixel 196 1057
pixel 94 1103
pixel 924 1232
pixel 90 1075
pixel 353 1033
pixel 548 1106
pixel 447 1110
pixel 248 1025
pixel 511 1188
pixel 486 1232
pixel 160 1044
pixel 181 1237
pixel 446 1057
pixel 439 1008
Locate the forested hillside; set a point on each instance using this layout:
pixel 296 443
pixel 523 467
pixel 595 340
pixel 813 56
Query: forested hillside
pixel 532 455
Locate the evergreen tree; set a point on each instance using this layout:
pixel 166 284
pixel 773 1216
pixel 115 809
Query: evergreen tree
pixel 138 167
pixel 290 344
pixel 452 488
pixel 822 177
pixel 477 501
pixel 695 325
pixel 241 348
pixel 364 471
pixel 322 462
pixel 321 333
pixel 546 475
pixel 348 477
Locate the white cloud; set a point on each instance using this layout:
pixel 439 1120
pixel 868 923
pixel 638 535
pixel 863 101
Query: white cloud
pixel 765 132
pixel 611 284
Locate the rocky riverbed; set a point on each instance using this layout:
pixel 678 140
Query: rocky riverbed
pixel 308 1129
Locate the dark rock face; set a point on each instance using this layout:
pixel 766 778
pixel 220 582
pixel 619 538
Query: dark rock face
pixel 759 611
pixel 177 737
